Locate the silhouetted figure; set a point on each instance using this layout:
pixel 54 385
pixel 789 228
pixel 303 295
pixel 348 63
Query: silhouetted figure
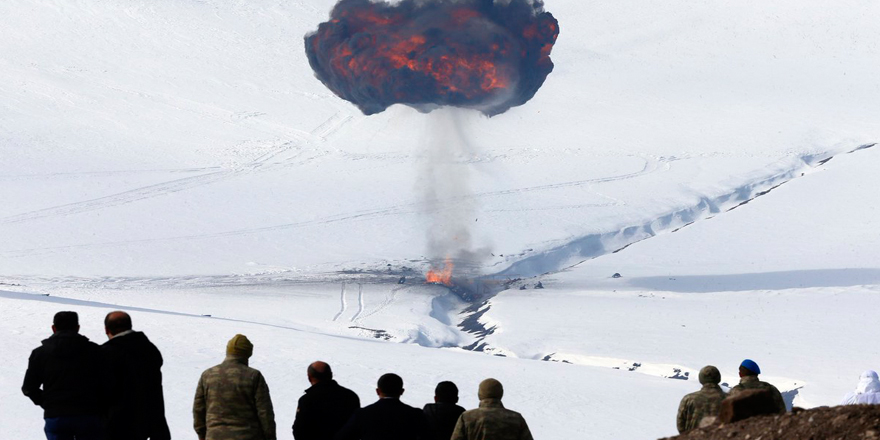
pixel 64 378
pixel 232 399
pixel 387 419
pixel 136 406
pixel 491 421
pixel 867 391
pixel 325 407
pixel 703 404
pixel 748 373
pixel 443 413
pixel 747 403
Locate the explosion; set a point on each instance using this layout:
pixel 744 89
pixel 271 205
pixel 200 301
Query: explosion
pixel 488 55
pixel 441 276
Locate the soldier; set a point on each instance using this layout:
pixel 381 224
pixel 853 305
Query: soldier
pixel 325 407
pixel 748 373
pixel 702 404
pixel 867 391
pixel 232 400
pixel 443 414
pixel 491 421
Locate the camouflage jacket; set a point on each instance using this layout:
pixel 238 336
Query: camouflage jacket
pixel 491 421
pixel 232 403
pixel 752 383
pixel 695 406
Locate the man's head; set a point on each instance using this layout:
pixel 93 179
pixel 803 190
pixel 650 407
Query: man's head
pixel 446 392
pixel 116 323
pixel 490 389
pixel 319 372
pixel 239 347
pixel 749 367
pixel 65 322
pixel 389 385
pixel 710 375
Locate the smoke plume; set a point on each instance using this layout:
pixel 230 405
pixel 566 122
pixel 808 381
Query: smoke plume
pixel 488 55
pixel 447 195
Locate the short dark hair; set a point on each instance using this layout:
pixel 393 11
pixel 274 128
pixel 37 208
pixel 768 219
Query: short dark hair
pixel 390 385
pixel 743 371
pixel 446 392
pixel 66 321
pixel 117 322
pixel 320 374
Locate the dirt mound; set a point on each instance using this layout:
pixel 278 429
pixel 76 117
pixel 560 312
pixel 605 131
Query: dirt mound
pixel 838 422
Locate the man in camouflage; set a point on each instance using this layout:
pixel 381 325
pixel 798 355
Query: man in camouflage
pixel 491 421
pixel 232 400
pixel 702 404
pixel 748 373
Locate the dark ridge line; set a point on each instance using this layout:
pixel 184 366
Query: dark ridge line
pixel 479 345
pixel 863 147
pixel 764 193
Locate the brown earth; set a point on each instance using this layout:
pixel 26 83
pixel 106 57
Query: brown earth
pixel 833 423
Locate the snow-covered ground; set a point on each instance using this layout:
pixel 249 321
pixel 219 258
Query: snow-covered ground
pixel 179 159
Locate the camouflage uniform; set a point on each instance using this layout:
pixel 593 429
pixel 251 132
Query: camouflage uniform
pixel 232 403
pixel 695 406
pixel 752 383
pixel 491 421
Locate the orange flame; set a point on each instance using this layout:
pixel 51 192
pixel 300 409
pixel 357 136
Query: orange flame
pixel 441 276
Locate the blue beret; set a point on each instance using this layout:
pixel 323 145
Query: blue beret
pixel 751 366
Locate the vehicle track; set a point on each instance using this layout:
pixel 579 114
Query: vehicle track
pixel 319 134
pixel 400 209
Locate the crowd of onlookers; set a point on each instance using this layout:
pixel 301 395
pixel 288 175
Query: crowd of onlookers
pixel 114 392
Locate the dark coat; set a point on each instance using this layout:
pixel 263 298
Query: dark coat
pixel 387 419
pixel 323 410
pixel 136 403
pixel 68 368
pixel 442 418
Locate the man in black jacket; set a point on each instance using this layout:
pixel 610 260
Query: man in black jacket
pixel 443 413
pixel 64 378
pixel 325 407
pixel 387 419
pixel 136 403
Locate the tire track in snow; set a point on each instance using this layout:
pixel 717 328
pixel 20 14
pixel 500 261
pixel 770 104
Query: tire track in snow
pixel 321 133
pixel 360 303
pixel 369 214
pixel 342 305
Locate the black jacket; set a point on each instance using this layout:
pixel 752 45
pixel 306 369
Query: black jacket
pixel 387 419
pixel 68 368
pixel 323 410
pixel 442 418
pixel 136 406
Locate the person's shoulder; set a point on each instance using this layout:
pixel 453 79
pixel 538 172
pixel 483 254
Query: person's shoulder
pixel 212 371
pixel 473 413
pixel 341 390
pixel 768 386
pixel 690 397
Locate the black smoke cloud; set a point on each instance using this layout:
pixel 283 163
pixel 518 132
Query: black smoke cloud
pixel 480 54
